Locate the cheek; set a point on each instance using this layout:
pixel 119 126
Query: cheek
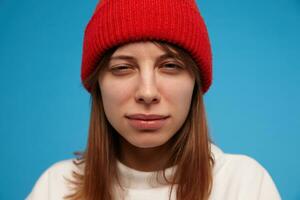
pixel 179 93
pixel 114 95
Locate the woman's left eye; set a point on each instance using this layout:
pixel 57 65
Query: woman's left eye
pixel 171 66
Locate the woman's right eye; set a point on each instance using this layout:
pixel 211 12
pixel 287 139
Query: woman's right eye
pixel 121 68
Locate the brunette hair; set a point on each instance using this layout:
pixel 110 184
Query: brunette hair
pixel 190 150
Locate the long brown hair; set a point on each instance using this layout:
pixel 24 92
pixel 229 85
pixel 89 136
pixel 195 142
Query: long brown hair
pixel 190 149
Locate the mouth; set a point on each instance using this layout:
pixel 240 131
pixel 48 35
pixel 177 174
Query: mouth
pixel 147 117
pixel 147 122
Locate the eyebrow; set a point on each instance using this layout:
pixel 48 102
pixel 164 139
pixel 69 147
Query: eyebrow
pixel 125 57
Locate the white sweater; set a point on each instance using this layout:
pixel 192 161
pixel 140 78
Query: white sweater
pixel 235 177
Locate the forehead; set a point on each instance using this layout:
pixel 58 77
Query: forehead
pixel 143 48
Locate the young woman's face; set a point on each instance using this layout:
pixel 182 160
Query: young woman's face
pixel 141 79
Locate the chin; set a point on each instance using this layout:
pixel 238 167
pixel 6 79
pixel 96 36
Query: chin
pixel 148 144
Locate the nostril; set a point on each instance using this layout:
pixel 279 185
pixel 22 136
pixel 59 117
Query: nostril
pixel 148 100
pixel 155 100
pixel 148 96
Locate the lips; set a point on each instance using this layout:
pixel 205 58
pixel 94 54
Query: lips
pixel 147 122
pixel 147 117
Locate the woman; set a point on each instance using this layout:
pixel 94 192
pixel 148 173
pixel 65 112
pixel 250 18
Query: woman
pixel 147 65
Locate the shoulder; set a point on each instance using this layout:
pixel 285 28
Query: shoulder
pixel 235 162
pixel 59 171
pixel 242 176
pixel 54 181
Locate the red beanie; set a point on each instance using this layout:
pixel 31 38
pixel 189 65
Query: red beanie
pixel 117 22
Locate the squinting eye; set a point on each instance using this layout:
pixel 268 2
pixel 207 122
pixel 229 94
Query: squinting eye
pixel 172 66
pixel 120 69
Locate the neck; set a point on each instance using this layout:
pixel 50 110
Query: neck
pixel 144 159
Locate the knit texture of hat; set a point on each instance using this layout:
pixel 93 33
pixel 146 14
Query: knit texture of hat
pixel 116 22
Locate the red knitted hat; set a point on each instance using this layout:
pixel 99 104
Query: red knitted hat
pixel 117 22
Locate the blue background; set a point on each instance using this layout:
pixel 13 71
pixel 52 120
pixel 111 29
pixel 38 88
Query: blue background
pixel 252 106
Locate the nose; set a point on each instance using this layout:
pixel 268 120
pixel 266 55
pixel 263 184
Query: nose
pixel 147 91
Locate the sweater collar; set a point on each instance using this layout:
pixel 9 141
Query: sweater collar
pixel 135 179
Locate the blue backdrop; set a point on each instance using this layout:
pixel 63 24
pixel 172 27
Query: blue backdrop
pixel 252 106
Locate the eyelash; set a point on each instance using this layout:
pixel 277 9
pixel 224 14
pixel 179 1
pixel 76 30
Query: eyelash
pixel 173 64
pixel 121 68
pixel 118 68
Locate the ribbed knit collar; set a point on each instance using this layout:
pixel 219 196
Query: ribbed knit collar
pixel 135 179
